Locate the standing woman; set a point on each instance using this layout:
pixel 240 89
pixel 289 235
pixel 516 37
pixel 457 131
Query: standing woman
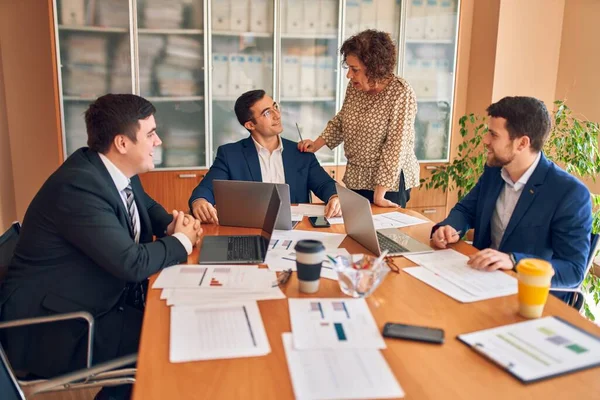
pixel 376 123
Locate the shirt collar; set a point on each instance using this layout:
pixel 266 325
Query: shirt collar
pixel 121 181
pixel 260 148
pixel 524 178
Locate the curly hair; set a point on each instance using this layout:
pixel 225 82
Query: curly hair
pixel 376 50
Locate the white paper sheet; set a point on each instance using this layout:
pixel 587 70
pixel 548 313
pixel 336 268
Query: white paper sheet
pixel 441 284
pixel 178 297
pixel 309 210
pixel 336 220
pixel 339 374
pixel 452 266
pixel 333 324
pixel 207 333
pixel 538 348
pixel 214 277
pixel 395 219
pixel 286 240
pixel 281 260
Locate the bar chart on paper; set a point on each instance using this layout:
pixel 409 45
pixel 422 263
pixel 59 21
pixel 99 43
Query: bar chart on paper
pixel 333 323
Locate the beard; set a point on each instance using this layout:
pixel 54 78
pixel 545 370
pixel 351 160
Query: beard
pixel 494 160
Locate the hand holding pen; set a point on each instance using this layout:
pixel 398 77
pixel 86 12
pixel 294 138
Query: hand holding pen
pixel 445 235
pixel 305 145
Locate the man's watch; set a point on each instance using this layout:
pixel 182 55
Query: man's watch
pixel 513 260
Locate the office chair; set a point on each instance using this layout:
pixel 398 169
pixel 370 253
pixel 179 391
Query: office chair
pixel 576 300
pixel 105 374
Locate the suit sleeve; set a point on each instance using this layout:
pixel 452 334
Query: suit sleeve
pixel 462 215
pixel 219 170
pixel 570 231
pixel 88 221
pixel 319 180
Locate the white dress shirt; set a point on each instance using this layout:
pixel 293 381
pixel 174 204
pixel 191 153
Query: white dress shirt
pixel 507 201
pixel 121 182
pixel 271 163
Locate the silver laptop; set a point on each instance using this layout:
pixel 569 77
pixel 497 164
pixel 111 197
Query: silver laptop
pixel 244 203
pixel 242 249
pixel 358 221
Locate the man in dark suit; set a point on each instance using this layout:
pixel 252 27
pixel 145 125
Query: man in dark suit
pixel 264 157
pixel 523 206
pixel 86 237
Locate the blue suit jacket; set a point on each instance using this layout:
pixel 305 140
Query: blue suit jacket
pixel 239 161
pixel 552 219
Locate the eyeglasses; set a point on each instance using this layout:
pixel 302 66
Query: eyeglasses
pixel 390 262
pixel 355 70
pixel 282 278
pixel 269 111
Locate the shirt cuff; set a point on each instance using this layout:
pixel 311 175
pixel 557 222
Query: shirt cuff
pixel 185 241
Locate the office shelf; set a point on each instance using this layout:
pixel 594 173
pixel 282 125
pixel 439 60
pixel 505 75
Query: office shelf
pixel 161 99
pixel 430 41
pixel 147 31
pixel 82 28
pixel 235 34
pixel 331 36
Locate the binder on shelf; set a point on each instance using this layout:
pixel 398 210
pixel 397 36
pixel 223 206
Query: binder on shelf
pixel 387 15
pixel 352 17
pixel 428 78
pixel 294 17
pixel 72 12
pixel 290 82
pixel 328 15
pixel 254 71
pixel 431 19
pixel 308 76
pixel 220 74
pixel 240 12
pixel 368 15
pixel 325 76
pixel 267 73
pixel 434 140
pixel 311 16
pixel 415 21
pixel 236 65
pixel 221 12
pixel 261 16
pixel 446 19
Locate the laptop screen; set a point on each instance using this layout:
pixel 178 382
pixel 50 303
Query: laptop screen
pixel 271 215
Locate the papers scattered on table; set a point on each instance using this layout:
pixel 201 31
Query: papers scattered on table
pixel 286 240
pixel 462 282
pixel 309 210
pixel 215 277
pixel 339 374
pixel 395 219
pixel 226 331
pixel 537 349
pixel 333 324
pixel 177 297
pixel 281 260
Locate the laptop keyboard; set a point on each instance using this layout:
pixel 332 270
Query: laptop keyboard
pixel 385 243
pixel 241 248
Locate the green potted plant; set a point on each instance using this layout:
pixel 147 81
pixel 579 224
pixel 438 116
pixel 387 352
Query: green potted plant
pixel 573 144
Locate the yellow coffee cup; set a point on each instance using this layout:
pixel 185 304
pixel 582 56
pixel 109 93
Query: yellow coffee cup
pixel 534 284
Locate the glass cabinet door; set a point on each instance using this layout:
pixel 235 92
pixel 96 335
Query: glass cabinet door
pixel 95 59
pixel 429 60
pixel 309 41
pixel 242 60
pixel 171 76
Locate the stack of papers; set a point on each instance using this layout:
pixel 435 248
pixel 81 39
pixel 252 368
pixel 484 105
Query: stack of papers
pixel 281 260
pixel 216 284
pixel 333 353
pixel 448 272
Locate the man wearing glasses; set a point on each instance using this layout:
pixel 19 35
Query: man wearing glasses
pixel 264 157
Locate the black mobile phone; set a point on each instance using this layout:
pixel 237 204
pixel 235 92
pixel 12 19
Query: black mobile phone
pixel 412 332
pixel 319 222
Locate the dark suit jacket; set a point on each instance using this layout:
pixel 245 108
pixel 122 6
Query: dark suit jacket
pixel 75 252
pixel 552 219
pixel 239 162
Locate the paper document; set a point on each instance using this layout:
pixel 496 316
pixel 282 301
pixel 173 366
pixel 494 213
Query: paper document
pixel 395 219
pixel 441 284
pixel 339 374
pixel 333 324
pixel 452 266
pixel 177 297
pixel 214 277
pixel 336 220
pixel 281 260
pixel 537 349
pixel 286 240
pixel 207 333
pixel 309 210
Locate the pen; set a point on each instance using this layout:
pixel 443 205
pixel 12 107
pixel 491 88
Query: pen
pixel 299 134
pixel 454 234
pixel 485 352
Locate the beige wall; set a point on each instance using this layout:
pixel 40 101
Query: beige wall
pixel 578 73
pixel 8 211
pixel 528 46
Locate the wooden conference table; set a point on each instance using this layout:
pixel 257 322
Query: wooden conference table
pixel 425 371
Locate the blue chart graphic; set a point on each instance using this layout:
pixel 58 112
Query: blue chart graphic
pixel 340 306
pixel 316 306
pixel 339 330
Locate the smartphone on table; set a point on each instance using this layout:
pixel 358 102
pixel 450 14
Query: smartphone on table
pixel 413 332
pixel 319 222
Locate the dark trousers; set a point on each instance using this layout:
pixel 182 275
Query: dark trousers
pixel 401 197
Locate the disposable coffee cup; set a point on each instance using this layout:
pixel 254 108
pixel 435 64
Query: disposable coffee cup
pixel 309 257
pixel 534 284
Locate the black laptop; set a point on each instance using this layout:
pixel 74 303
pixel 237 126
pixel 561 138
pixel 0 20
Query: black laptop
pixel 247 249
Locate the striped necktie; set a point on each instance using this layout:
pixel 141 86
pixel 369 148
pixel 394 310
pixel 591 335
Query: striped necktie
pixel 132 210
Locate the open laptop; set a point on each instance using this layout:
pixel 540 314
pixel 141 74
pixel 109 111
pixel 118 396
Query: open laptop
pixel 243 203
pixel 247 249
pixel 358 221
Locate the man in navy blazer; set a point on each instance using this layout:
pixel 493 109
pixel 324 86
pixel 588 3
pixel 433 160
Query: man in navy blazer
pixel 264 157
pixel 523 205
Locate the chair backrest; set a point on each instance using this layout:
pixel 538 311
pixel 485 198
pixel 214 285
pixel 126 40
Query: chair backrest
pixel 9 386
pixel 8 241
pixel 577 299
